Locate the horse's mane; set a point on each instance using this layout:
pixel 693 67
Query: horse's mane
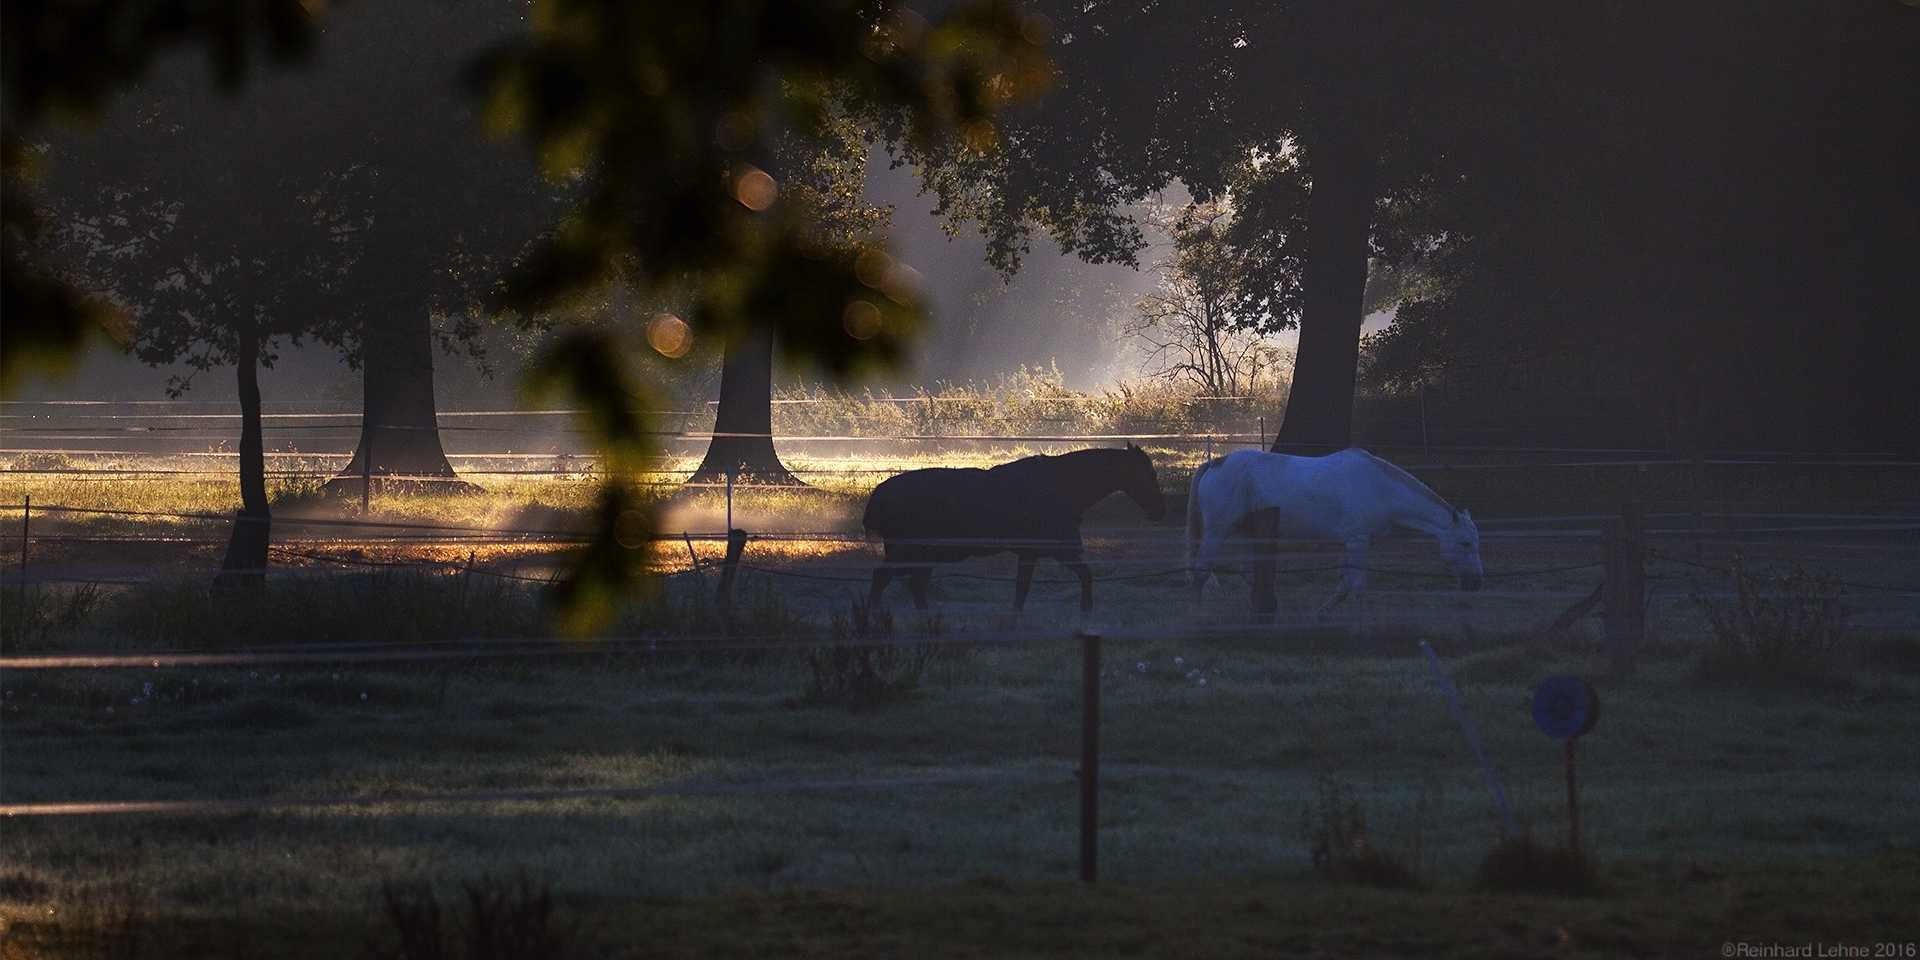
pixel 1087 472
pixel 1406 478
pixel 1094 454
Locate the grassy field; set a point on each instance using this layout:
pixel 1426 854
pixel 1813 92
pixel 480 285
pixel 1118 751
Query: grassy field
pixel 1206 789
pixel 1717 813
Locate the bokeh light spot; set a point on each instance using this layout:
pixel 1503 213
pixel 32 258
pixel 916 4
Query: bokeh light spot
pixel 902 284
pixel 862 320
pixel 872 266
pixel 631 530
pixel 755 189
pixel 669 335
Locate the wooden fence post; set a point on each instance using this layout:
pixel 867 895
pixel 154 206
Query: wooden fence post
pixel 26 535
pixel 1266 562
pixel 723 595
pixel 1089 755
pixel 1625 543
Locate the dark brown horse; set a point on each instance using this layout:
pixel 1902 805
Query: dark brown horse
pixel 1029 507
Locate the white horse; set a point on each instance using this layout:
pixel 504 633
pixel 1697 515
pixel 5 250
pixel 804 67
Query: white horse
pixel 1352 496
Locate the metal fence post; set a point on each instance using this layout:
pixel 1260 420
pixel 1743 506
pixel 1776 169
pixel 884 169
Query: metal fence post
pixel 1089 755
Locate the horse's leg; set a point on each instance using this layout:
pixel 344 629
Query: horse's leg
pixel 1022 579
pixel 917 582
pixel 1353 576
pixel 882 575
pixel 1085 574
pixel 1203 560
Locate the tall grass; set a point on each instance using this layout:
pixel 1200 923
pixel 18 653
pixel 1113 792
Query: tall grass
pixel 395 604
pixel 1782 629
pixel 1032 401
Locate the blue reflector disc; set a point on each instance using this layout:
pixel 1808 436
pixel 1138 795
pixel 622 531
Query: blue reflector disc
pixel 1565 708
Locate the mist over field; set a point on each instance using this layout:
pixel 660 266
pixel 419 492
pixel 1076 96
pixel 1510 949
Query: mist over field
pixel 1057 313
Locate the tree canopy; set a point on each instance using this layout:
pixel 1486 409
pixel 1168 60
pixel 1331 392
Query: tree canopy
pixel 1689 212
pixel 1713 249
pixel 61 61
pixel 1328 128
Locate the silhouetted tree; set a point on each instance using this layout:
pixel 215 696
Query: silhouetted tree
pixel 212 263
pixel 452 210
pixel 1189 325
pixel 66 59
pixel 1709 249
pixel 1327 125
pixel 349 211
pixel 823 173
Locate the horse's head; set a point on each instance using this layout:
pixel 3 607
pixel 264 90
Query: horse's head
pixel 1139 482
pixel 1460 550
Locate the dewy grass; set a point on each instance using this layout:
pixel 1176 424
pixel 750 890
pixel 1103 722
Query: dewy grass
pixel 1200 779
pixel 1696 908
pixel 1211 744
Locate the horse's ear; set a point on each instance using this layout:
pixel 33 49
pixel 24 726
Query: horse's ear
pixel 1456 514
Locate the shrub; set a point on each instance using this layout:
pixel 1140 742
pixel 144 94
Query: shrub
pixel 43 617
pixel 1782 629
pixel 19 886
pixel 1335 829
pixel 1524 865
pixel 503 920
pixel 865 667
pixel 397 603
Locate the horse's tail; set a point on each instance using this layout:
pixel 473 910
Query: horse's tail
pixel 1194 530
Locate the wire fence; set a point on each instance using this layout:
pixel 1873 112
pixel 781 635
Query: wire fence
pixel 1156 556
pixel 1533 583
pixel 1872 540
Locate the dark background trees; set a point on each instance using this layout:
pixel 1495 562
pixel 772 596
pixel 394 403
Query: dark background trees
pixel 821 169
pixel 349 203
pixel 1684 217
pixel 1325 125
pixel 453 208
pixel 1711 254
pixel 65 61
pixel 210 257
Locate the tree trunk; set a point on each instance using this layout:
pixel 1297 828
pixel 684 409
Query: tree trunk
pixel 399 428
pixel 743 425
pixel 245 566
pixel 1319 414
